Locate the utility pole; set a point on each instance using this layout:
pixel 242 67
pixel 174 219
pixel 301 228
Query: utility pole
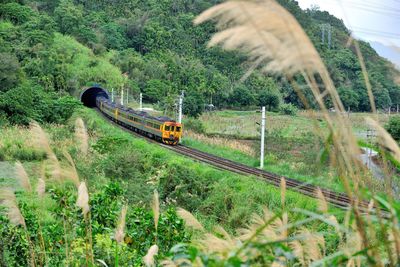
pixel 262 138
pixel 328 29
pixel 180 107
pixel 112 94
pixel 127 96
pixel 122 97
pixel 140 101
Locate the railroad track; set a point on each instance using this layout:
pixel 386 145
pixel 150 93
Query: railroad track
pixel 337 199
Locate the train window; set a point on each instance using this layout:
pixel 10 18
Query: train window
pixel 172 128
pixel 167 127
pixel 178 128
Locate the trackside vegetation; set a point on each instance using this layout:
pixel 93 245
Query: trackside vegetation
pixel 119 169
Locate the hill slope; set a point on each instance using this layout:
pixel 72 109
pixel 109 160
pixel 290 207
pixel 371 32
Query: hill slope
pixel 162 53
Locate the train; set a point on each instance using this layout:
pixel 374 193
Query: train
pixel 162 129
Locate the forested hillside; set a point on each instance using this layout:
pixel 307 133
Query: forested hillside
pixel 53 48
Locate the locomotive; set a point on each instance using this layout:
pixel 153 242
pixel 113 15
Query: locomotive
pixel 162 129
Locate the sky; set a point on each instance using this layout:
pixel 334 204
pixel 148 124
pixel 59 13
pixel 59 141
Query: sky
pixel 370 20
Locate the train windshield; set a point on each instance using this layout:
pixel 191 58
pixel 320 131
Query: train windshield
pixel 172 128
pixel 178 128
pixel 167 127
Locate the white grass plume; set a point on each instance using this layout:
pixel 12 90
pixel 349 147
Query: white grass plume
pixel 120 231
pixel 41 188
pixel 83 198
pixel 385 139
pixel 71 173
pixel 9 201
pixel 42 142
pixel 313 245
pixel 23 177
pixel 275 230
pixel 322 204
pixel 148 259
pixel 155 206
pixel 189 219
pixel 81 136
pixel 283 191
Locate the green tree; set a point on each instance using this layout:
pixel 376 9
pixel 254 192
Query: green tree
pixel 242 97
pixel 271 99
pixel 9 71
pixel 155 90
pixel 349 97
pixel 113 36
pixel 15 12
pixel 393 127
pixel 193 105
pixel 68 17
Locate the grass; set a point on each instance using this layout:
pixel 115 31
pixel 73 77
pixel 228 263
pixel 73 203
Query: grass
pixel 217 197
pixel 294 146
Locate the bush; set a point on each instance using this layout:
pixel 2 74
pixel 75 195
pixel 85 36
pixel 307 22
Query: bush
pixel 195 125
pixel 270 99
pixel 288 109
pixel 193 105
pixel 29 102
pixel 393 127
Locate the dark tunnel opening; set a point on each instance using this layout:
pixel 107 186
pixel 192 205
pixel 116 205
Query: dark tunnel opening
pixel 88 96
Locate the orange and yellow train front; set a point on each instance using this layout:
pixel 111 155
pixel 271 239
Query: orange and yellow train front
pixel 171 133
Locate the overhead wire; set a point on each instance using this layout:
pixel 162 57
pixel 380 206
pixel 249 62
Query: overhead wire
pixel 394 13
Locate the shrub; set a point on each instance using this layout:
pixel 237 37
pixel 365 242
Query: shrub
pixel 195 125
pixel 193 105
pixel 288 109
pixel 270 99
pixel 393 127
pixel 29 102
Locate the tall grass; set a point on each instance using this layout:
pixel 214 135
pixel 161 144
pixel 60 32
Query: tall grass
pixel 81 136
pixel 275 42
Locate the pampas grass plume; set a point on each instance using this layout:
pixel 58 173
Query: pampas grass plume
pixel 189 219
pixel 149 258
pixel 23 177
pixel 42 142
pixel 71 174
pixel 41 187
pixel 81 136
pixel 385 138
pixel 120 231
pixel 283 191
pixel 83 198
pixel 10 202
pixel 155 206
pixel 322 204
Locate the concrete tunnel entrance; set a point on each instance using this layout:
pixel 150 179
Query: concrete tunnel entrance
pixel 88 96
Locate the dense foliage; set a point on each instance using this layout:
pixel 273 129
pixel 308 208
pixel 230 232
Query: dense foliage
pixel 63 45
pixel 393 127
pixel 56 226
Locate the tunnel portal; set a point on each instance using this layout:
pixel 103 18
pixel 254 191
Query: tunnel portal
pixel 88 96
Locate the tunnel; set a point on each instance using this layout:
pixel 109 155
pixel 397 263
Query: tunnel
pixel 88 95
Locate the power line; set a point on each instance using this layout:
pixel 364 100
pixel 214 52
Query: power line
pixel 393 14
pixel 392 34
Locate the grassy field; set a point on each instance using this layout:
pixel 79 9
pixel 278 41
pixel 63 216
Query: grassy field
pixel 243 124
pixel 294 145
pixel 217 197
